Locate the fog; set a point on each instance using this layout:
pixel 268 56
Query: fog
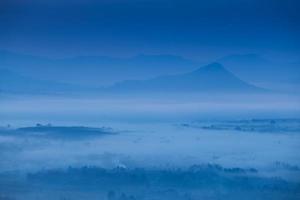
pixel 155 145
pixel 221 134
pixel 92 110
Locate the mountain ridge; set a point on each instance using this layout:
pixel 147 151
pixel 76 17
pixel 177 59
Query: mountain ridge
pixel 12 82
pixel 210 78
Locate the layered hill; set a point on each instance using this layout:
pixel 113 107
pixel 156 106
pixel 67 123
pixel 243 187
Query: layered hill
pixel 210 78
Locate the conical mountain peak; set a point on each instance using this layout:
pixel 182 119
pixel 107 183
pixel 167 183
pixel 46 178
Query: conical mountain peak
pixel 212 67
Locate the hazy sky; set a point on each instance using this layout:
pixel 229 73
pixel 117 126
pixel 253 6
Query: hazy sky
pixel 191 28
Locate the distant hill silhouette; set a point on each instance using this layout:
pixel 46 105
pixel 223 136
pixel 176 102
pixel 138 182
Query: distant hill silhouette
pixel 260 71
pixel 11 82
pixel 95 70
pixel 210 78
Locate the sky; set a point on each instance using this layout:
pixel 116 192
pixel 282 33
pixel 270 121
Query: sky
pixel 121 28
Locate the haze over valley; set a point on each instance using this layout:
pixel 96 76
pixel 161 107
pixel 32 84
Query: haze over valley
pixel 149 100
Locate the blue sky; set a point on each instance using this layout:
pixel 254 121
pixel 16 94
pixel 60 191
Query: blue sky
pixel 190 28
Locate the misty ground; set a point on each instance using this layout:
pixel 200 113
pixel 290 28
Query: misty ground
pixel 57 148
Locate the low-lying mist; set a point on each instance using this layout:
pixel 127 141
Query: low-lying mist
pixel 91 110
pixel 177 147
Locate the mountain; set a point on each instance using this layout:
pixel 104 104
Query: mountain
pixel 260 71
pixel 11 82
pixel 95 70
pixel 211 78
